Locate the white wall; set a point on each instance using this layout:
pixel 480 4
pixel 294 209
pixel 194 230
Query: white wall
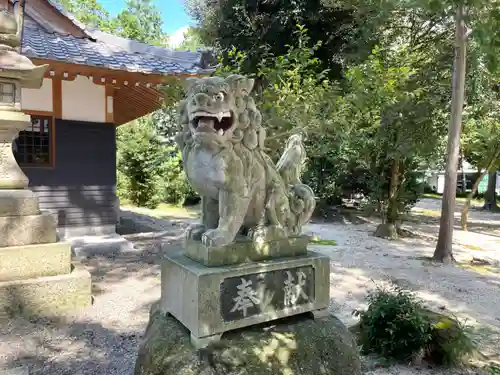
pixel 83 100
pixel 38 99
pixel 440 186
pixel 433 181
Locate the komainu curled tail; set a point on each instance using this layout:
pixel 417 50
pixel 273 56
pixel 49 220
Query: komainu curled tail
pixel 292 161
pixel 301 197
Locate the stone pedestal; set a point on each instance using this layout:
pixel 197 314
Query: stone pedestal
pixel 212 300
pixel 37 275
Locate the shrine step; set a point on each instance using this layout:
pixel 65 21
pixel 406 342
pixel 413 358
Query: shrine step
pixel 24 262
pixel 212 300
pixel 49 296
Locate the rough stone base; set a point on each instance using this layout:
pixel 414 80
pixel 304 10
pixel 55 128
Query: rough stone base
pixel 50 296
pixel 27 230
pixel 202 297
pixel 24 262
pixel 292 346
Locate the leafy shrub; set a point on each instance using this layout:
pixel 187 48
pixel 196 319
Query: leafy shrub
pixel 494 370
pixel 175 184
pixel 394 324
pixel 139 151
pixel 397 326
pixel 122 186
pixel 450 341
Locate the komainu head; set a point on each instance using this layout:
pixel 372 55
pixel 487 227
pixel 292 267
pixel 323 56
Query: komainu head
pixel 218 110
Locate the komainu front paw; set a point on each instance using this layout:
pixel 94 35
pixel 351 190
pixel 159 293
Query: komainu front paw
pixel 195 232
pixel 216 238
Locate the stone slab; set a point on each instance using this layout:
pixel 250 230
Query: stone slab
pixel 245 250
pixel 19 202
pixel 28 230
pixel 212 300
pixel 50 296
pixel 111 244
pixel 24 262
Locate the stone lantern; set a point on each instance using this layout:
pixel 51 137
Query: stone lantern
pixel 16 72
pixel 37 274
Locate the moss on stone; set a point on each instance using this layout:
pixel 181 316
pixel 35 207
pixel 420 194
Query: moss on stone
pixel 293 346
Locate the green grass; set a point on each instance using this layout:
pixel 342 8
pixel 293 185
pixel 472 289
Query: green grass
pixel 319 241
pixel 426 212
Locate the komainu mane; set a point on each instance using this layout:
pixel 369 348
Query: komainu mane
pixel 243 192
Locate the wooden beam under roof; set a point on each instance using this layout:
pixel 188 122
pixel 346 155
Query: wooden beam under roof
pixel 103 76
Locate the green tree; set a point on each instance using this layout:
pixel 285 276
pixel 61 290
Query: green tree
pixel 481 129
pixel 259 28
pixel 192 41
pixel 91 13
pixel 482 18
pixel 141 20
pixel 139 151
pixel 398 118
pixel 297 98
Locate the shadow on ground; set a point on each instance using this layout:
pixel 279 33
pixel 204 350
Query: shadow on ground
pixel 58 348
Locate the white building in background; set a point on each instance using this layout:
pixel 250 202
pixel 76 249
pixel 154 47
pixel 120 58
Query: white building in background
pixel 435 179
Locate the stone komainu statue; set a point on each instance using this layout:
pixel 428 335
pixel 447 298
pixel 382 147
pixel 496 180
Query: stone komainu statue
pixel 243 192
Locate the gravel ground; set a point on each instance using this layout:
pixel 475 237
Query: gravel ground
pixel 103 339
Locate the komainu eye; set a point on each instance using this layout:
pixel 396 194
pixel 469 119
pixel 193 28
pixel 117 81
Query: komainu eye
pixel 219 96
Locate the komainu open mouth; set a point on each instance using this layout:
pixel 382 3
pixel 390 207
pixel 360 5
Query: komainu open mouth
pixel 211 122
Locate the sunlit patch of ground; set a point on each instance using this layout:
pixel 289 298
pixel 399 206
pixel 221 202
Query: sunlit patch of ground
pixel 166 210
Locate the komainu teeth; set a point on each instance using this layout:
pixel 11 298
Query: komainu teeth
pixel 220 131
pixel 220 115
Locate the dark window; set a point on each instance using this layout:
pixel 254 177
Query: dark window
pixel 33 146
pixel 7 93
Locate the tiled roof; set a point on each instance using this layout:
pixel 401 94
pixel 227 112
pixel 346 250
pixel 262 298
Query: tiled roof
pixel 107 51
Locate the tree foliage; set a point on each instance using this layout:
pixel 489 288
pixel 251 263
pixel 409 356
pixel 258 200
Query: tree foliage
pixel 260 28
pixel 139 150
pixel 140 19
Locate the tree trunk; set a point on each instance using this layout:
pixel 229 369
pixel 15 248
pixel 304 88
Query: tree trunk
pixel 465 210
pixel 388 228
pixel 444 251
pixel 490 197
pixel 464 178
